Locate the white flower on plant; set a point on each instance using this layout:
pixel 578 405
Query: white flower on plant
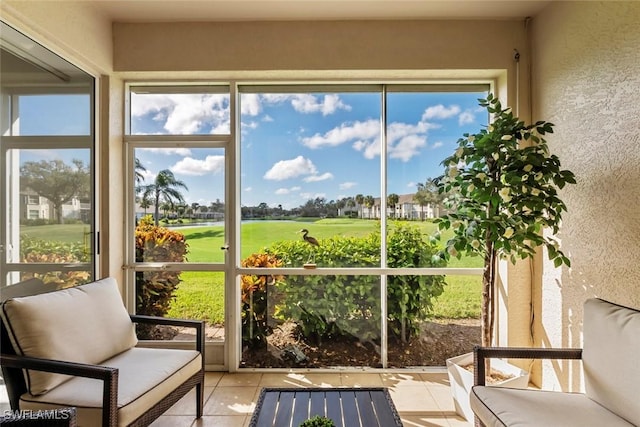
pixel 475 244
pixel 495 156
pixel 471 187
pixel 506 137
pixel 525 177
pixel 538 176
pixel 481 176
pixel 453 171
pixel 508 233
pixel 528 167
pixel 524 189
pixel 459 152
pixel 456 224
pixel 490 128
pixel 471 138
pixel 535 192
pixel 452 251
pixel 505 194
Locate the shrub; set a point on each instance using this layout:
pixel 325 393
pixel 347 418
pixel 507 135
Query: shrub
pixel 155 289
pixel 254 301
pixel 44 251
pixel 340 305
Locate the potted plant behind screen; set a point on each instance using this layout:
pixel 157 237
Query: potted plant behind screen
pixel 502 197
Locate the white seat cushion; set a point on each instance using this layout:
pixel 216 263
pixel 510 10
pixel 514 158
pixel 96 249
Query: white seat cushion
pixel 501 406
pixel 610 357
pixel 146 375
pixel 85 324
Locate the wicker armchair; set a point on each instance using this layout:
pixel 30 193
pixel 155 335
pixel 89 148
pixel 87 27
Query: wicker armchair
pixel 609 360
pixel 153 379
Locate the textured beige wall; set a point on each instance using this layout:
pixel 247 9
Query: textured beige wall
pixel 71 29
pixel 342 45
pixel 586 79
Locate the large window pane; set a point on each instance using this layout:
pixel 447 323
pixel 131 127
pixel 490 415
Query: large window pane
pixel 55 114
pixel 198 110
pixel 180 190
pixel 311 160
pixel 426 327
pixel 182 295
pixel 51 214
pixel 310 321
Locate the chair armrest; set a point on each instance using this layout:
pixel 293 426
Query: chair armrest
pixel 480 354
pixel 109 377
pixel 198 325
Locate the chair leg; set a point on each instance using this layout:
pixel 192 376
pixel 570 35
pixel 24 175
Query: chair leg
pixel 199 398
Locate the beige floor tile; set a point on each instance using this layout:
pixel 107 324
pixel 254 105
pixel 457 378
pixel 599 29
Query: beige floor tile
pixel 413 399
pixel 222 421
pixel 424 420
pixel 187 405
pixel 402 379
pixel 211 379
pixel 321 379
pixel 458 421
pixel 173 421
pixel 240 379
pixel 443 398
pixel 233 400
pixel 361 380
pixel 285 379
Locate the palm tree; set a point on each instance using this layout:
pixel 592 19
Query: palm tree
pixel 369 201
pixel 360 202
pixel 164 189
pixel 392 201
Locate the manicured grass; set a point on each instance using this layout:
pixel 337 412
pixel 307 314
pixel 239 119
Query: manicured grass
pixel 66 233
pixel 461 298
pixel 201 294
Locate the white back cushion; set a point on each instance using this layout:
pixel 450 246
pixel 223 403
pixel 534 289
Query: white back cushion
pixel 86 324
pixel 611 357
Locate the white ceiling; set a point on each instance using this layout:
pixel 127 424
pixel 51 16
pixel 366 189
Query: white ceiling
pixel 272 10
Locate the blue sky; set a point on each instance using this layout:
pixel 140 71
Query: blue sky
pixel 295 147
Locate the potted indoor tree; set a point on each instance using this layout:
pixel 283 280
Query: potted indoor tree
pixel 502 199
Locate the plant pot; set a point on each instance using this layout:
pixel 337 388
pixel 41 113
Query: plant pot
pixel 461 380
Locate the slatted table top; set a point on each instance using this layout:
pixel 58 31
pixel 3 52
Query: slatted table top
pixel 347 407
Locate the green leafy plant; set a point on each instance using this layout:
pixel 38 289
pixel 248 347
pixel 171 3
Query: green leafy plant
pixel 155 289
pixel 341 305
pixel 318 421
pixel 254 300
pixel 502 186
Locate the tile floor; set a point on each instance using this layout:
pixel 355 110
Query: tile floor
pixel 422 399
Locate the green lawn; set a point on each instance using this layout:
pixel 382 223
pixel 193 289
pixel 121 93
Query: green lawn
pixel 201 294
pixel 461 298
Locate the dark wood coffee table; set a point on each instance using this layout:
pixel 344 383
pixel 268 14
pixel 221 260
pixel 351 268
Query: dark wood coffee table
pixel 347 407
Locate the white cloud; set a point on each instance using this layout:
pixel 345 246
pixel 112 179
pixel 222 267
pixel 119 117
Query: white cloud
pixel 440 112
pixel 329 104
pixel 250 104
pixel 248 189
pixel 407 147
pixel 316 178
pixel 346 132
pixel 347 185
pixel 437 144
pixel 286 169
pixel 184 114
pixel 466 118
pixel 197 167
pixel 148 176
pixel 267 118
pixel 283 191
